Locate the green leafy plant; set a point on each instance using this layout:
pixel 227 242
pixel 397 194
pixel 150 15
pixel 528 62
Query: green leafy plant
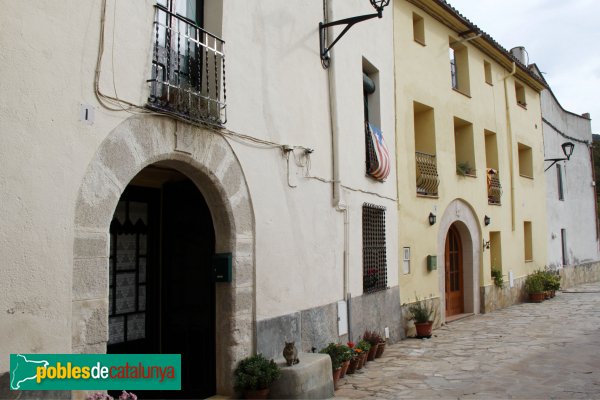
pixel 497 276
pixel 363 345
pixel 551 280
pixel 463 168
pixel 534 283
pixel 255 373
pixel 346 353
pixel 336 353
pixel 420 310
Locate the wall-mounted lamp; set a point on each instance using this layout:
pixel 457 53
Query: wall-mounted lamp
pixel 567 148
pixel 487 220
pixel 486 245
pixel 324 50
pixel 431 218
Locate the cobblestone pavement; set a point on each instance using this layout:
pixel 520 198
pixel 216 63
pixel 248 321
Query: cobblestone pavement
pixel 528 351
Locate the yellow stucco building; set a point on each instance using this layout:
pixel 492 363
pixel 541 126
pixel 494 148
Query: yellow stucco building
pixel 470 163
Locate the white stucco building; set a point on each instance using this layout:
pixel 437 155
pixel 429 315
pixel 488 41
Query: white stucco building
pixel 114 204
pixel 573 241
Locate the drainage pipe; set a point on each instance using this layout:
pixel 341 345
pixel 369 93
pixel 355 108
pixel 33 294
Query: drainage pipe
pixel 509 134
pixel 335 161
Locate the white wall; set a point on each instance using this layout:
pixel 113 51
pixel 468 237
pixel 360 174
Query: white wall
pixel 276 90
pixel 576 213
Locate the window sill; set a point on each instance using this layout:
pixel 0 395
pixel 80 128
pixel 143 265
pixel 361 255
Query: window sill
pixel 529 261
pixel 422 43
pixel 526 176
pixel 461 92
pixel 523 106
pixel 493 203
pixel 467 175
pixel 489 83
pixel 428 196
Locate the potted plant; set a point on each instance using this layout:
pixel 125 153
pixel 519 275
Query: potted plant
pixel 534 286
pixel 464 168
pixel 345 355
pixel 421 313
pixel 551 283
pixel 254 376
pixel 373 338
pixel 364 348
pixel 335 353
pixel 375 341
pixel 355 353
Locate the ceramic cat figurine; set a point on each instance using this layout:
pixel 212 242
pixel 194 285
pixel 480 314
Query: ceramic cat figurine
pixel 290 354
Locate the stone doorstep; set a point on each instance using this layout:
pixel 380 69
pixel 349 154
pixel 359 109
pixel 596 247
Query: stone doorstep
pixel 311 378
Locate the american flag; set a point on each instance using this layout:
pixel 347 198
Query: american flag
pixel 379 166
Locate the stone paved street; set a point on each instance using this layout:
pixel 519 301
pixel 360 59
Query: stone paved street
pixel 528 351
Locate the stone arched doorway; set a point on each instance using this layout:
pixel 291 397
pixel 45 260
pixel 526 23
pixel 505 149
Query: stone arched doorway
pixel 458 241
pixel 209 162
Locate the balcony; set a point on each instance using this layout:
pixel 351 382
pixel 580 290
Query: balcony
pixel 494 188
pixel 188 70
pixel 427 176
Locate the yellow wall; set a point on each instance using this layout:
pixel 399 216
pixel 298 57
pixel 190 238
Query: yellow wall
pixel 423 77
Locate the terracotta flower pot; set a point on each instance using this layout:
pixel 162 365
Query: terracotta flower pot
pixel 424 329
pixel 336 378
pixel 361 360
pixel 537 297
pixel 352 366
pixel 380 349
pixel 372 352
pixel 257 394
pixel 345 366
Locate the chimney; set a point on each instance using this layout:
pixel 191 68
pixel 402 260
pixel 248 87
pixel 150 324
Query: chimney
pixel 520 54
pixel 586 115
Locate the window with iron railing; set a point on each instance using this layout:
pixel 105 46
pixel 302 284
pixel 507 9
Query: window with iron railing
pixel 427 175
pixel 374 248
pixel 494 189
pixel 188 68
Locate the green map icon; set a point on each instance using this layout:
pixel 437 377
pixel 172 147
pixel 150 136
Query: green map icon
pixel 24 369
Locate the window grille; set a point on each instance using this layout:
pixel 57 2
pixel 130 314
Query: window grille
pixel 188 69
pixel 374 248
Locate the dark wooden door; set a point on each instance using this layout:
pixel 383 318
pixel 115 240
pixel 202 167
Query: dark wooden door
pixel 162 296
pixel 454 273
pixel 188 291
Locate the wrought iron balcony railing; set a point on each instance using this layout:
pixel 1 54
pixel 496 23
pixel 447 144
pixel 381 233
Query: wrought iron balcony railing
pixel 427 176
pixel 494 188
pixel 188 70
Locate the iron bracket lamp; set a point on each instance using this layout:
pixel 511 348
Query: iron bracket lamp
pixel 431 218
pixel 349 22
pixel 486 245
pixel 567 148
pixel 487 220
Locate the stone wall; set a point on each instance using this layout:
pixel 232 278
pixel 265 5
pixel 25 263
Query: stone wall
pixel 578 274
pixel 495 298
pixel 316 327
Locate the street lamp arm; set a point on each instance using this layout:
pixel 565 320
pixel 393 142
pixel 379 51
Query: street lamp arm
pixel 349 22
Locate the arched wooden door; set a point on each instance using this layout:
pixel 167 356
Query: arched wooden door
pixel 454 273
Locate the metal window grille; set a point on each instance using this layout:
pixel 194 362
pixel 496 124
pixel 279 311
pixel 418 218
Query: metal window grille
pixel 494 188
pixel 188 69
pixel 374 248
pixel 427 175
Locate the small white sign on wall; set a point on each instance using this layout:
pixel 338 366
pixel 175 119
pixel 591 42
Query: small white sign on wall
pixel 511 278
